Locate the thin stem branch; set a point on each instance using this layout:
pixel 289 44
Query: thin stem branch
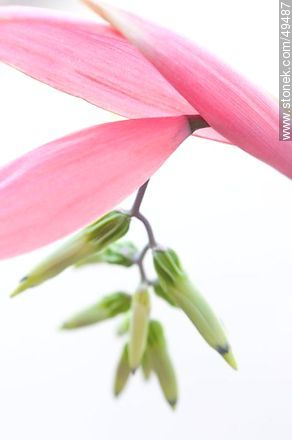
pixel 138 200
pixel 149 230
pixel 143 276
pixel 140 264
pixel 143 253
pixel 135 212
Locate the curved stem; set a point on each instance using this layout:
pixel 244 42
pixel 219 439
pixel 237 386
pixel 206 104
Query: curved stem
pixel 142 272
pixel 143 253
pixel 140 264
pixel 135 212
pixel 149 230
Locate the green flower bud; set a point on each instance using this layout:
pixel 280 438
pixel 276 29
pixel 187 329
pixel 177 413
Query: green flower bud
pixel 139 326
pixel 108 229
pixel 162 293
pixel 168 267
pixel 121 253
pixel 110 306
pixel 146 365
pixel 122 373
pixel 175 281
pixel 92 239
pixel 161 362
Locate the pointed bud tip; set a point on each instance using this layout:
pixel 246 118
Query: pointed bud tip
pixel 172 403
pixel 22 286
pixel 230 359
pixel 16 292
pixel 68 326
pixel 117 393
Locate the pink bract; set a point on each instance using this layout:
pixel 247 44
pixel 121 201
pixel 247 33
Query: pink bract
pixel 139 71
pixel 60 187
pixel 231 105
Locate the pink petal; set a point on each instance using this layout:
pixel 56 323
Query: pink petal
pixel 58 188
pixel 90 61
pixel 231 105
pixel 211 134
pixel 87 60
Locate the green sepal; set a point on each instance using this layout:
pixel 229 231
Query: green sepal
pixel 161 362
pixel 146 365
pixel 94 238
pixel 109 228
pixel 122 253
pixel 109 307
pixel 162 293
pixel 124 326
pixel 179 288
pixel 122 373
pixel 168 267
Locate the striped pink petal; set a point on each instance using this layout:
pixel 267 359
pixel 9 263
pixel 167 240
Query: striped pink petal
pixel 87 60
pixel 58 188
pixel 231 105
pixel 90 61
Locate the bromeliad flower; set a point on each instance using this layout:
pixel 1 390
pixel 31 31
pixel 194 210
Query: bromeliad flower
pixel 168 89
pixel 61 186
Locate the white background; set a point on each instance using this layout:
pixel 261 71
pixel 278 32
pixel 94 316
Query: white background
pixel 229 217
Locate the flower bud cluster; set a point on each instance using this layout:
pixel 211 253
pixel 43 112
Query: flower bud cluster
pixel 146 347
